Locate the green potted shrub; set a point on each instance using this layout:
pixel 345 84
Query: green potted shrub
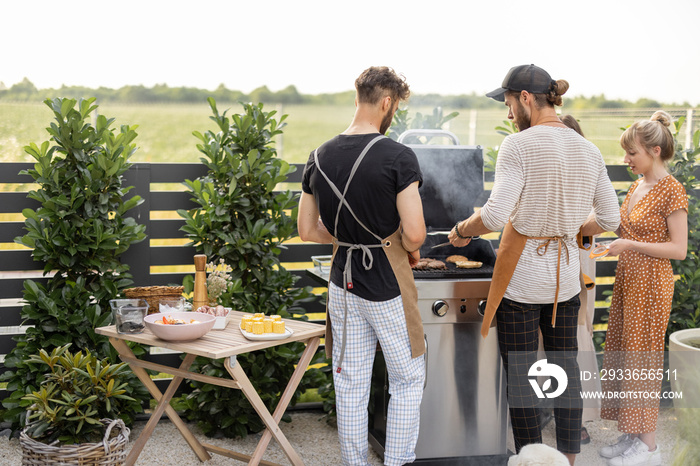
pixel 77 234
pixel 683 330
pixel 243 220
pixel 73 418
pixel 685 313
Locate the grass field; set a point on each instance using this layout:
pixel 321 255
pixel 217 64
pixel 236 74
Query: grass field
pixel 165 131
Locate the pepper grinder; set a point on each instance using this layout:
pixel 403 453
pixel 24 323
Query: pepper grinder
pixel 201 297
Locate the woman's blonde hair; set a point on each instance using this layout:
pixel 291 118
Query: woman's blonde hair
pixel 651 133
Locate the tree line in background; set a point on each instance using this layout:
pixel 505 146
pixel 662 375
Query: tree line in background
pixel 26 91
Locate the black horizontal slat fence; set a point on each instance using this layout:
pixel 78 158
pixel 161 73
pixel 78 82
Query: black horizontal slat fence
pixel 16 264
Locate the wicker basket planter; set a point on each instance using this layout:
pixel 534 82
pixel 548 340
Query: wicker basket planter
pixel 153 295
pixel 111 451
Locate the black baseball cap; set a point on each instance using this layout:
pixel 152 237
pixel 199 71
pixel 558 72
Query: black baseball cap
pixel 529 78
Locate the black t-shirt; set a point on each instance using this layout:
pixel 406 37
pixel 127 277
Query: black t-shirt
pixel 386 170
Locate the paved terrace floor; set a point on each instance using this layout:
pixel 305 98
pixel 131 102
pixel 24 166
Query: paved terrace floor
pixel 317 443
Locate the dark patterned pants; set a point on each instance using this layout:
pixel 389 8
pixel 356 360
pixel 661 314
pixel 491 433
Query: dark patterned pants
pixel 518 336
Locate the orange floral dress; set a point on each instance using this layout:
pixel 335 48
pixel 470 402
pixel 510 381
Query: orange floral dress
pixel 640 309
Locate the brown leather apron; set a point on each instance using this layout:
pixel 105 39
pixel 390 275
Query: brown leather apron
pixel 398 259
pixel 509 250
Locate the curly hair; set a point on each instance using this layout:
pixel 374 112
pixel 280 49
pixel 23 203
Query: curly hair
pixel 651 133
pixel 378 81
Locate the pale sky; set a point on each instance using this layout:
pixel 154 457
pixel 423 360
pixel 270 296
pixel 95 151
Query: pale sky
pixel 625 49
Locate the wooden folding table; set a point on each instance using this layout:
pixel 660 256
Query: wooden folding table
pixel 217 344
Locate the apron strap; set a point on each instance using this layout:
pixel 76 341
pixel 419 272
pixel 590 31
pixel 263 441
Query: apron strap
pixel 367 258
pixel 340 195
pixel 509 251
pixel 542 250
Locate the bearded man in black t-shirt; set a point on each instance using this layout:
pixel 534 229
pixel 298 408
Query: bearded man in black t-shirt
pixel 360 192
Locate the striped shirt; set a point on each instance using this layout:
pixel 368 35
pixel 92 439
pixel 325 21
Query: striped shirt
pixel 548 179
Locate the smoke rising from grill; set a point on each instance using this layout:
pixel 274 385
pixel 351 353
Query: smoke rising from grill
pixel 452 183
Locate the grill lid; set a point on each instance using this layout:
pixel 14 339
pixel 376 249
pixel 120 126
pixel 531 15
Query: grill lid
pixel 453 183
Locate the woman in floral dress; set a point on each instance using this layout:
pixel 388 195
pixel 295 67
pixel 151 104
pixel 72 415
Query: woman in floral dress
pixel 653 230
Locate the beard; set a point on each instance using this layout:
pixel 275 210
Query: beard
pixel 386 122
pixel 522 119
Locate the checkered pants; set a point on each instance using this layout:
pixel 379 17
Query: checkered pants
pixel 369 322
pixel 518 325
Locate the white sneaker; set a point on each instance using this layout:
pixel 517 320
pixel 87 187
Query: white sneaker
pixel 638 455
pixel 616 449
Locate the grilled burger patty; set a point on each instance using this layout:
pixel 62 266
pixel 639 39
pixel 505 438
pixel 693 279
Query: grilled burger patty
pixel 429 264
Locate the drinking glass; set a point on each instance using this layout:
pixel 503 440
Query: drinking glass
pixel 171 305
pixel 128 314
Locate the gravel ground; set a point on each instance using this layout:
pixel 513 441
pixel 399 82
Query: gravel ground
pixel 317 443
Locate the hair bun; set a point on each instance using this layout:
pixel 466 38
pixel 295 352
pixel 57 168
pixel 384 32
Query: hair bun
pixel 662 117
pixel 562 85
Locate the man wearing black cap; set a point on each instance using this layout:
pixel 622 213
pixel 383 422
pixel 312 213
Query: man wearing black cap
pixel 548 180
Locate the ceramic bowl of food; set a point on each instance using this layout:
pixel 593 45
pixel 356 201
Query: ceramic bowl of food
pixel 179 326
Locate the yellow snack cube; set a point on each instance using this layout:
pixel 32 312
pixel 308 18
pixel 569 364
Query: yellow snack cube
pixel 258 328
pixel 245 319
pixel 276 317
pixel 268 325
pixel 278 326
pixel 249 326
pixel 259 314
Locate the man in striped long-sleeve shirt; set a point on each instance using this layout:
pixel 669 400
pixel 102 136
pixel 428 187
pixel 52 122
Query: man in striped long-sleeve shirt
pixel 550 185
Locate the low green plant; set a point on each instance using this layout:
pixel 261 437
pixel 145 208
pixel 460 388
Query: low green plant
pixel 78 391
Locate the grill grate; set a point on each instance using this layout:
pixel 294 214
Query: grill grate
pixel 453 273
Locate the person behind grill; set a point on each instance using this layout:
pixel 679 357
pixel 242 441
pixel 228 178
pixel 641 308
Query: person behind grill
pixel 360 192
pixel 586 355
pixel 550 185
pixel 654 229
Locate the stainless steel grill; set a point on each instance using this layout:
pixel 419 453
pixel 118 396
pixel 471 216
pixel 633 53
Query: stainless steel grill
pixel 464 411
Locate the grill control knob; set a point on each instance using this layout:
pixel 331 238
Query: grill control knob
pixel 440 308
pixel 481 308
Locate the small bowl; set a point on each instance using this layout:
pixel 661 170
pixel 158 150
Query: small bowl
pixel 322 263
pixel 181 332
pixel 221 320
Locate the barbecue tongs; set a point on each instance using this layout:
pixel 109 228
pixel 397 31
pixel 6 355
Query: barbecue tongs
pixel 448 243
